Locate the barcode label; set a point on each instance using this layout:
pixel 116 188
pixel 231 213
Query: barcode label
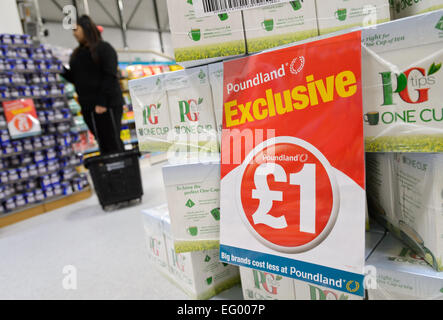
pixel 211 7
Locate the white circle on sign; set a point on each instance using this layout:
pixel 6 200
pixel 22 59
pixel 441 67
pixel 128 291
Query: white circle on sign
pixel 333 184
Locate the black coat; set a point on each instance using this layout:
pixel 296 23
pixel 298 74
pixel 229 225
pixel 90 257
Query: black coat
pixel 95 83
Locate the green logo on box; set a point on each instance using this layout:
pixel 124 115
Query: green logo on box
pixel 190 203
pixel 439 25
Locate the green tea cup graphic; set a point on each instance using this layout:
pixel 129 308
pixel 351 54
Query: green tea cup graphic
pixel 209 280
pixel 216 213
pixel 340 14
pixel 268 24
pixel 194 34
pixel 296 5
pixel 439 25
pixel 192 231
pixel 223 16
pixel 372 118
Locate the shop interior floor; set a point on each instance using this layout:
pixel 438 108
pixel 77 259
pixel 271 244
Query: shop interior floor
pixel 107 249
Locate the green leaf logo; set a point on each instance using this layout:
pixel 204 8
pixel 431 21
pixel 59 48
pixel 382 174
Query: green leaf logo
pixel 439 25
pixel 434 68
pixel 200 100
pixel 207 258
pixel 190 203
pixel 158 105
pixel 201 75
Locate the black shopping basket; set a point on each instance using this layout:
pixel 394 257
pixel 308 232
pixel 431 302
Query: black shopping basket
pixel 116 177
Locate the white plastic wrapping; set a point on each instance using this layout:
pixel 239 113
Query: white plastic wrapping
pixel 402 275
pixel 174 113
pixel 199 274
pixel 405 193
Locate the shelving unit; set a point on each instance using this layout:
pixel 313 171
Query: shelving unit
pixel 38 169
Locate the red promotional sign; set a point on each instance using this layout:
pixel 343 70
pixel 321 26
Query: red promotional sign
pixel 292 156
pixel 21 118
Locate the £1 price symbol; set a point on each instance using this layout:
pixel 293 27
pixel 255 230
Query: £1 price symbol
pixel 288 196
pixel 305 178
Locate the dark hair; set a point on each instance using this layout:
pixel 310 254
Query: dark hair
pixel 92 36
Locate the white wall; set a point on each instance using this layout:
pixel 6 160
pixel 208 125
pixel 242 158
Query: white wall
pixel 137 40
pixel 9 17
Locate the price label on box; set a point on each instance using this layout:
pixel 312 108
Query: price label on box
pixel 292 174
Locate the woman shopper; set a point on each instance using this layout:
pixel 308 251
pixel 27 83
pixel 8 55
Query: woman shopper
pixel 93 71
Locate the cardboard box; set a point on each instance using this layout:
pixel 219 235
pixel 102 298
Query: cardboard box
pixel 420 204
pixel 402 275
pixel 204 40
pixel 151 113
pixel 402 80
pixel 404 9
pixel 279 24
pixel 193 195
pixel 261 285
pixel 216 79
pixel 191 110
pixel 335 15
pixel 199 274
pixel 153 224
pixel 381 190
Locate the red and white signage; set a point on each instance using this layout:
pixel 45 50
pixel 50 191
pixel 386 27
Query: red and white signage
pixel 292 188
pixel 21 118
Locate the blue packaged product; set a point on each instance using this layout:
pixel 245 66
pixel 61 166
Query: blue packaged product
pixel 10 204
pixel 19 65
pixel 13 175
pixel 30 185
pixel 5 38
pixel 37 142
pixel 32 170
pixel 49 192
pixel 41 167
pixel 15 161
pixel 4 135
pixel 8 148
pixel 4 92
pixel 67 188
pixel 45 181
pixel 27 144
pixel 18 146
pixel 55 178
pixel 39 156
pixel 39 196
pixel 30 197
pixel 23 173
pixel 20 200
pixel 57 189
pixel 4 177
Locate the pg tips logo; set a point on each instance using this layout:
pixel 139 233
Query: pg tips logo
pixel 190 109
pixel 412 85
pixel 267 281
pixel 151 114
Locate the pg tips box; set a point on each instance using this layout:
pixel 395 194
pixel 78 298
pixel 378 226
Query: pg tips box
pixel 193 194
pixel 404 9
pixel 402 274
pixel 262 285
pixel 153 225
pixel 335 15
pixel 151 113
pixel 200 273
pixel 202 40
pixel 216 79
pixel 279 24
pixel 191 110
pixel 292 194
pixel 402 81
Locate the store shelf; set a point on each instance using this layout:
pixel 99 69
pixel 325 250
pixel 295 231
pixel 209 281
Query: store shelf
pixel 29 211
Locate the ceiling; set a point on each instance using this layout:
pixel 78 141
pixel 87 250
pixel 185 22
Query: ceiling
pixel 137 14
